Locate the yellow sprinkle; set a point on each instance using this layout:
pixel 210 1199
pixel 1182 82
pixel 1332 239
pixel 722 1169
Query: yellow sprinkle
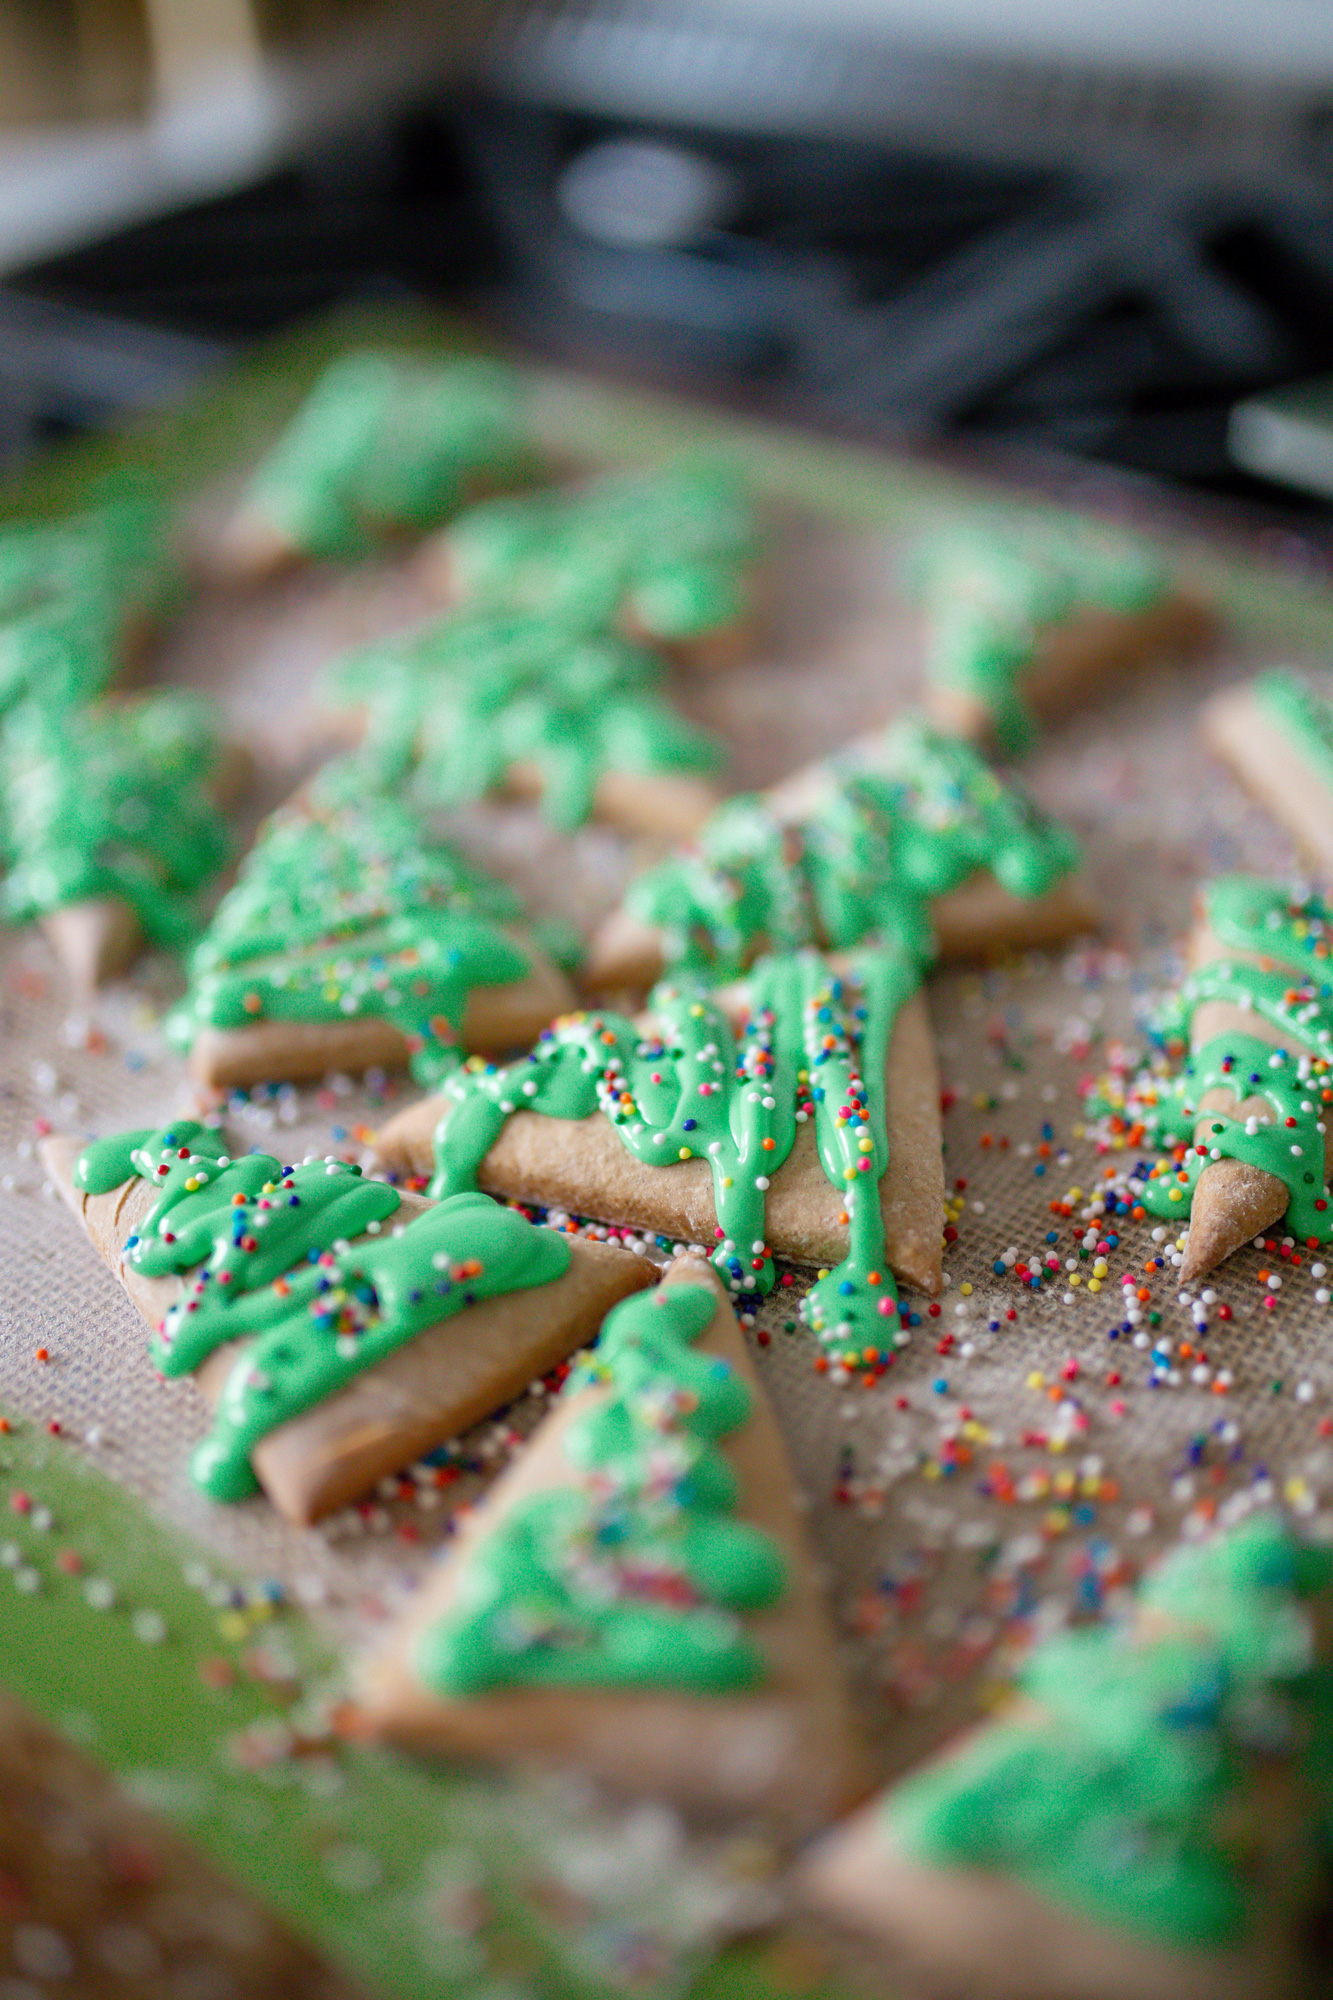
pixel 966 1289
pixel 1036 1381
pixel 1100 1268
pixel 1094 1284
pixel 232 1626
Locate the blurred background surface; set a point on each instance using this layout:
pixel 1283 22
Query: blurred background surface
pixel 1048 228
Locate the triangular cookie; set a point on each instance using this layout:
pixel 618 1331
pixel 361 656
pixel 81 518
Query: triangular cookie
pixel 1122 1826
pixel 695 1136
pixel 356 937
pixel 907 836
pixel 383 443
pixel 1246 1114
pixel 343 1420
pixel 112 825
pixel 708 1674
pixel 494 701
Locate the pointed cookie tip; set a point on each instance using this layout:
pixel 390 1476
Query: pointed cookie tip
pixel 1233 1202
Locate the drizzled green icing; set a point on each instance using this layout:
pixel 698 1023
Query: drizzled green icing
pixel 270 1261
pixel 990 591
pixel 351 914
pixel 386 441
pixel 812 1045
pixel 669 549
pixel 453 704
pixel 69 589
pixel 923 814
pixel 1247 915
pixel 1302 715
pixel 1134 1795
pixel 112 802
pixel 633 1573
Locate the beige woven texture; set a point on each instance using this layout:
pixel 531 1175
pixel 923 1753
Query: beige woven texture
pixel 1155 814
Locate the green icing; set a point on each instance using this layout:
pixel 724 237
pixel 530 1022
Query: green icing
pixel 386 441
pixel 989 591
pixel 813 1045
pixel 1131 1795
pixel 923 814
pixel 1247 914
pixel 453 704
pixel 1302 715
pixel 70 589
pixel 352 913
pixel 668 548
pixel 633 1574
pixel 271 1260
pixel 112 802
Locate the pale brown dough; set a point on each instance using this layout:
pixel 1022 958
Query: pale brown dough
pixel 437 1385
pixel 789 1749
pixel 1070 657
pixel 1240 733
pixel 585 1168
pixel 496 1020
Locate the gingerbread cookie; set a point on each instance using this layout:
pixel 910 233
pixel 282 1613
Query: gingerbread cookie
pixel 340 1329
pixel 796 1117
pixel 1277 736
pixel 354 938
pixel 1021 625
pixel 667 555
pixel 482 701
pixel 909 837
pixel 384 443
pixel 111 826
pixel 1146 1818
pixel 1246 1113
pixel 78 599
pixel 635 1596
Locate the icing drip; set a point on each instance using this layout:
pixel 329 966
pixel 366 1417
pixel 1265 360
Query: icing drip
pixel 813 1046
pixel 385 441
pixel 70 592
pixel 862 863
pixel 354 913
pixel 452 705
pixel 267 1255
pixel 1260 918
pixel 989 594
pixel 1143 1786
pixel 668 549
pixel 632 1573
pixel 1302 715
pixel 113 802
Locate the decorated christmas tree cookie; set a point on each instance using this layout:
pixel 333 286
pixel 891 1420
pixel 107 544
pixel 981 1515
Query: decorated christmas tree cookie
pixel 1276 733
pixel 384 443
pixel 78 599
pixel 1022 624
pixel 111 827
pixel 635 1596
pixel 667 555
pixel 353 938
pixel 1242 1092
pixel 911 838
pixel 476 702
pixel 795 1117
pixel 1148 1816
pixel 338 1328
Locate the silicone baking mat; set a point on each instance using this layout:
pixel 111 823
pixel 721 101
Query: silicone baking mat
pixel 1023 1456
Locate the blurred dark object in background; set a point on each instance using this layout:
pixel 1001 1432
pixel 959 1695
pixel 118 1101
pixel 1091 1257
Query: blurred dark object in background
pixel 1089 237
